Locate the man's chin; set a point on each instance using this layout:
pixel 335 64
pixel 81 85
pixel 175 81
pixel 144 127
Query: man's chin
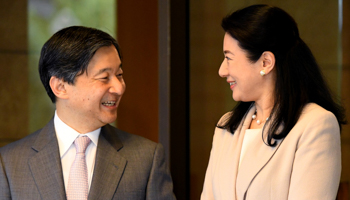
pixel 110 120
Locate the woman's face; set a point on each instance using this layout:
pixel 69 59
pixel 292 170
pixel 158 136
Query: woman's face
pixel 242 74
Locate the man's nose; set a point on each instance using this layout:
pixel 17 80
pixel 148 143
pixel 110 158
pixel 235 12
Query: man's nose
pixel 117 86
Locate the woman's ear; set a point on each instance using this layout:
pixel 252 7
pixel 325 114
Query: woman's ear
pixel 268 61
pixel 58 87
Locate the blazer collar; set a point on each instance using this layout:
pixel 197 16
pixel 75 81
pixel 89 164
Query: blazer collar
pixel 45 165
pixel 109 165
pixel 256 158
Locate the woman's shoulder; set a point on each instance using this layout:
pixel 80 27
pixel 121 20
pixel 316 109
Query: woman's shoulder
pixel 316 111
pixel 315 115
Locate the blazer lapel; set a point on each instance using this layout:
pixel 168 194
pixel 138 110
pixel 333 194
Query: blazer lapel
pixel 256 158
pixel 45 165
pixel 239 133
pixel 109 165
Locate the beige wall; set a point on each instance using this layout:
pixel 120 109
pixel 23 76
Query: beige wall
pixel 210 95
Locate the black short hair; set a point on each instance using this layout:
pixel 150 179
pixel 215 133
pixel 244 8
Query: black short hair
pixel 68 52
pixel 299 80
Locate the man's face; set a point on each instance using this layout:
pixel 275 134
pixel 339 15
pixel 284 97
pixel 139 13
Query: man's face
pixel 94 98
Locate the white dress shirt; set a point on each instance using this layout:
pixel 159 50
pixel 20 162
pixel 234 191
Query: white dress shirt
pixel 66 136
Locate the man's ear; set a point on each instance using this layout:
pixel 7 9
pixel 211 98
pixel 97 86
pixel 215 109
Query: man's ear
pixel 268 61
pixel 58 87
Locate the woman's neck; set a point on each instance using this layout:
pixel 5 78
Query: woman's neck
pixel 262 113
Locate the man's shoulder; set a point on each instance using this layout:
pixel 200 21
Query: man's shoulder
pixel 20 146
pixel 130 141
pixel 125 136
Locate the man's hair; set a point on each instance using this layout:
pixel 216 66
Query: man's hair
pixel 68 52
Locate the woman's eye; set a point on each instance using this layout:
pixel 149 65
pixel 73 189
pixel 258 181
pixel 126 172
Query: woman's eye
pixel 228 58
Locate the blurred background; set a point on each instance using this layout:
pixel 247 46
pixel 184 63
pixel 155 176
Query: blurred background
pixel 171 51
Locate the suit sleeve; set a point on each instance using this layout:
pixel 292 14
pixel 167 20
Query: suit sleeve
pixel 4 186
pixel 317 163
pixel 160 185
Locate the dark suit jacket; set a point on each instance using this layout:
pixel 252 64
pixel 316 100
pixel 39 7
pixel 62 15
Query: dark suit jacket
pixel 126 167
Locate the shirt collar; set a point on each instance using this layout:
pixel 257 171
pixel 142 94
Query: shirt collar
pixel 66 135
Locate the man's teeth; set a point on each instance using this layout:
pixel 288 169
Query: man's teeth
pixel 231 83
pixel 109 103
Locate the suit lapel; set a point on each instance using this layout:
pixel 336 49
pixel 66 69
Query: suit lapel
pixel 45 165
pixel 255 159
pixel 109 165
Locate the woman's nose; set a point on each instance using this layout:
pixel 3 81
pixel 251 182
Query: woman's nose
pixel 223 69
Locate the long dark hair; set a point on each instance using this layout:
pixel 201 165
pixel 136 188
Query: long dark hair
pixel 299 81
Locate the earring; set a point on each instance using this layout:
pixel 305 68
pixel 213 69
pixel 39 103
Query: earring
pixel 262 72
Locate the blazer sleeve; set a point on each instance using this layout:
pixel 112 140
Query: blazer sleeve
pixel 207 193
pixel 4 186
pixel 317 163
pixel 159 186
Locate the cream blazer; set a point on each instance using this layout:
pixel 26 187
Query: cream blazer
pixel 304 165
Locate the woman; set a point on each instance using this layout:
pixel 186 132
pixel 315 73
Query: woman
pixel 282 140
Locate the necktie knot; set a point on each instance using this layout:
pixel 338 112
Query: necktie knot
pixel 81 144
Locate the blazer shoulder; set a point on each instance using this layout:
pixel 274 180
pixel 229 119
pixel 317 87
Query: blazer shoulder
pixel 130 142
pixel 21 144
pixel 313 108
pixel 126 137
pixel 132 138
pixel 313 112
pixel 315 121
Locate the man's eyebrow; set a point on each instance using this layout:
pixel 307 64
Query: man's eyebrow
pixel 106 69
pixel 103 70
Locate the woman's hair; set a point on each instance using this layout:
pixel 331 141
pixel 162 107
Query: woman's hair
pixel 299 81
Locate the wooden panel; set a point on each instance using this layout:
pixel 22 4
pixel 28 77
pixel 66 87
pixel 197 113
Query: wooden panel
pixel 179 98
pixel 137 35
pixel 345 92
pixel 13 26
pixel 13 71
pixel 343 192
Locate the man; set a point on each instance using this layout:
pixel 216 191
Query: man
pixel 81 70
